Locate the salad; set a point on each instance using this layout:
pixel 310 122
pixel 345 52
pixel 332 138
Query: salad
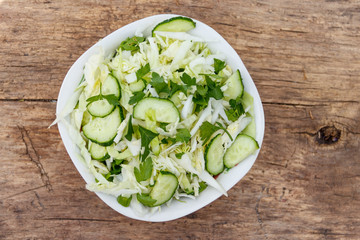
pixel 160 118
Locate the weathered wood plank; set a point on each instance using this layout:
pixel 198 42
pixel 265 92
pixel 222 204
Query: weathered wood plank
pixel 296 189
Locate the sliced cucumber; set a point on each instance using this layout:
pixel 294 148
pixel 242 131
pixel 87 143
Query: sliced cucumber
pixel 251 128
pixel 235 86
pixel 248 100
pixel 137 86
pixel 102 108
pixel 164 189
pixel 165 110
pixel 111 86
pixel 104 130
pixel 175 24
pixel 98 152
pixel 214 156
pixel 242 147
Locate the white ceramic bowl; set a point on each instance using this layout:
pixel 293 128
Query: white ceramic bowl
pixel 110 43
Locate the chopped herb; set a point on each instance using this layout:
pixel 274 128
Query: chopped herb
pixel 236 109
pixel 108 177
pixel 112 99
pixel 142 71
pixel 159 84
pixel 137 97
pixel 124 200
pixel 116 167
pixel 218 65
pixel 145 199
pixel 187 79
pixel 131 44
pixel 144 171
pixel 207 130
pixel 202 187
pixel 130 130
pixel 179 155
pixel 214 89
pixel 183 135
pixel 146 137
pixel 163 126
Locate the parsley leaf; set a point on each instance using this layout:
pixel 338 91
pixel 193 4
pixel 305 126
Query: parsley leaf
pixel 124 200
pixel 94 98
pixel 112 99
pixel 182 135
pixel 206 131
pixel 145 199
pixel 179 155
pixel 202 187
pixel 130 130
pixel 176 87
pixel 132 44
pixel 236 110
pixel 144 171
pixel 146 137
pixel 214 89
pixel 142 71
pixel 159 84
pixel 116 166
pixel 187 79
pixel 218 65
pixel 137 97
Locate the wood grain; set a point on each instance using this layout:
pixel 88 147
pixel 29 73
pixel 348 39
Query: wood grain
pixel 304 58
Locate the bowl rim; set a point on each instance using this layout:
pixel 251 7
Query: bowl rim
pixel 228 180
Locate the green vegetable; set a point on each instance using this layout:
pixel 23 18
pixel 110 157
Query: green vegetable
pixel 146 200
pixel 159 84
pixel 143 71
pixel 207 129
pixel 218 65
pixel 130 130
pixel 146 137
pixel 131 44
pixel 236 109
pixel 144 171
pixel 137 97
pixel 182 135
pixel 125 201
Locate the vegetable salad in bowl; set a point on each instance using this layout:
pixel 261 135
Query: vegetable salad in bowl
pixel 160 118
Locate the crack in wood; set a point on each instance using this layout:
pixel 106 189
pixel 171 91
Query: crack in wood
pixel 34 157
pixel 28 100
pixel 78 219
pixel 259 219
pixel 22 192
pixel 293 104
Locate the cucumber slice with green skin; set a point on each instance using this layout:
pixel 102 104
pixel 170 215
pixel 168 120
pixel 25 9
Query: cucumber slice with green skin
pixel 235 86
pixel 111 86
pixel 137 86
pixel 175 24
pixel 165 110
pixel 102 108
pixel 164 189
pixel 214 156
pixel 242 147
pixel 248 100
pixel 98 152
pixel 103 130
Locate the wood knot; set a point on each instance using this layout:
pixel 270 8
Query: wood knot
pixel 328 135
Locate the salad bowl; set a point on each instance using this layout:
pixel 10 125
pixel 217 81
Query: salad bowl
pixel 228 179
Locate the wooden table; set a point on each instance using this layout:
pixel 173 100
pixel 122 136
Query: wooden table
pixel 304 57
